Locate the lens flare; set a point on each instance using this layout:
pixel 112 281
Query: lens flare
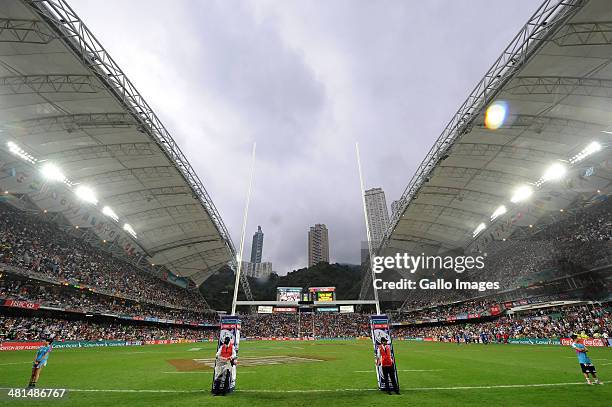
pixel 496 115
pixel 555 172
pixel 521 193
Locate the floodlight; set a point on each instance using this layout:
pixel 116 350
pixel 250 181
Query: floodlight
pixel 52 172
pixel 86 194
pixel 110 213
pixel 554 172
pixel 128 228
pixel 498 212
pixel 479 229
pixel 521 193
pixel 592 148
pixel 21 153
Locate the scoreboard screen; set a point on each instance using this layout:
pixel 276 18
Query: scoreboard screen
pixel 325 296
pixel 289 294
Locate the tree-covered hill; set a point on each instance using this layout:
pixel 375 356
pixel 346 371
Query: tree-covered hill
pixel 219 288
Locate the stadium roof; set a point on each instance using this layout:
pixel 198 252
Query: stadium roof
pixel 553 87
pixel 64 101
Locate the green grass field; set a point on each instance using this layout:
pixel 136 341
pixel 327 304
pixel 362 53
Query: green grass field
pixel 435 374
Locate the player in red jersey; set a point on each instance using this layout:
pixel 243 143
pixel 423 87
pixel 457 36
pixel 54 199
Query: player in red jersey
pixel 385 360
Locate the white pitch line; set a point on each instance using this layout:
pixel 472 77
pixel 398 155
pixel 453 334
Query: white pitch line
pixel 205 371
pixel 151 351
pixel 199 372
pixel 405 370
pixel 501 386
pixel 13 363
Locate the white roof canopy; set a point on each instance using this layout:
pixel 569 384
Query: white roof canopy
pixel 555 80
pixel 64 100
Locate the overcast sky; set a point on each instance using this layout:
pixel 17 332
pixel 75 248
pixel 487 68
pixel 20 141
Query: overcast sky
pixel 305 80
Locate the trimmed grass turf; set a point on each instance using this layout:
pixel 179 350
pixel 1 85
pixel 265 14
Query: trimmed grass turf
pixel 339 375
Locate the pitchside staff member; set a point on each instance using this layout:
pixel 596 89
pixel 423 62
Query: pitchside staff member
pixel 585 362
pixel 40 361
pixel 226 356
pixel 385 360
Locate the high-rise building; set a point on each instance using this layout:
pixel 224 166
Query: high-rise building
pixel 257 246
pixel 256 270
pixel 378 215
pixel 318 245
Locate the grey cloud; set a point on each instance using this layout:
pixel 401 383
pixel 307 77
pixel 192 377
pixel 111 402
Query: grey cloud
pixel 305 80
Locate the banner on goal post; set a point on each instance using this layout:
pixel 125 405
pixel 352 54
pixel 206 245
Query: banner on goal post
pixel 379 329
pixel 224 376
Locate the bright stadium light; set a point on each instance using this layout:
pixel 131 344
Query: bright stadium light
pixel 521 193
pixel 128 228
pixel 110 213
pixel 479 229
pixel 498 212
pixel 86 194
pixel 554 173
pixel 21 153
pixel 51 172
pixel 592 148
pixel 495 115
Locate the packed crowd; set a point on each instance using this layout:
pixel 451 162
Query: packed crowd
pixel 33 244
pixel 590 224
pixel 70 298
pixel 309 325
pixel 578 240
pixel 305 324
pixel 32 329
pixel 588 320
pixel 420 311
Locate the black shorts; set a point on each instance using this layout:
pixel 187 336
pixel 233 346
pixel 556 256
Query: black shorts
pixel 587 368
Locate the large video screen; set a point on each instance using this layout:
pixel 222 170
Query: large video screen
pixel 325 294
pixel 289 294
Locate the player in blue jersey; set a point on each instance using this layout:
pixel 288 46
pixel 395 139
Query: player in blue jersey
pixel 585 362
pixel 42 355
